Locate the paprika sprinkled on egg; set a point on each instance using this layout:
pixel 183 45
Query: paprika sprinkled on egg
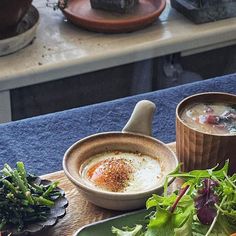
pixel 112 174
pixel 121 171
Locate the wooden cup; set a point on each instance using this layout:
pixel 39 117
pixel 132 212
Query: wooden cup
pixel 199 150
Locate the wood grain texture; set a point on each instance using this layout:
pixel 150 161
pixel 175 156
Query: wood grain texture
pixel 198 149
pixel 79 212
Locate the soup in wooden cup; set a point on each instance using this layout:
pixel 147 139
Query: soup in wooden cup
pixel 206 131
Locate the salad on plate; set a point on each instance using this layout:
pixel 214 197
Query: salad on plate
pixel 205 205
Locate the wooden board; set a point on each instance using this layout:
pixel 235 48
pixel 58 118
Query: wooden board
pixel 79 212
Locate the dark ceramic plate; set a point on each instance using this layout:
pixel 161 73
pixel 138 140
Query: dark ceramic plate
pixel 57 211
pixel 80 13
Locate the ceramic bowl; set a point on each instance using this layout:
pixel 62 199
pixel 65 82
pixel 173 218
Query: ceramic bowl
pixel 11 12
pixel 24 34
pixel 200 150
pixel 135 137
pixel 56 212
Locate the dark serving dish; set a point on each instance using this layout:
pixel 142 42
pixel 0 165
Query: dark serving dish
pixel 205 11
pixel 11 12
pixel 57 211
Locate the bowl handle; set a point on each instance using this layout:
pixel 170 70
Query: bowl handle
pixel 141 118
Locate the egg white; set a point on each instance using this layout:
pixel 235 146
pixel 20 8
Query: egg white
pixel 147 172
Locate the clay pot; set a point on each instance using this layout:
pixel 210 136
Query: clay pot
pixel 200 150
pixel 11 12
pixel 135 137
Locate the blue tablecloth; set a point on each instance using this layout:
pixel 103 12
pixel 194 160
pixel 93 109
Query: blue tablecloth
pixel 41 141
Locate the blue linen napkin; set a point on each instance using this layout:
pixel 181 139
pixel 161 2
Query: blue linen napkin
pixel 40 142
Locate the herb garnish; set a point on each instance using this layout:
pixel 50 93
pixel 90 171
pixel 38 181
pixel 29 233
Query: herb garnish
pixel 204 206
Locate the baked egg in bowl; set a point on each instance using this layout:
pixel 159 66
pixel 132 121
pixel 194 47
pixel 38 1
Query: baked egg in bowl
pixel 121 170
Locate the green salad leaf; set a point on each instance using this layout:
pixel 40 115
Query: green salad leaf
pixel 205 205
pixel 164 220
pixel 135 231
pixel 186 228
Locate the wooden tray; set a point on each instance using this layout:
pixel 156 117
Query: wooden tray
pixel 80 13
pixel 79 212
